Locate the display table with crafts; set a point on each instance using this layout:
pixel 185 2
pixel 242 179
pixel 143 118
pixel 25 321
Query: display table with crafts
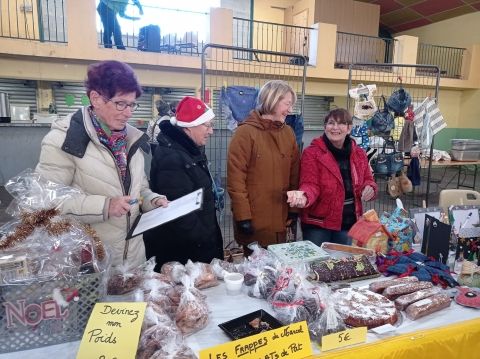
pixel 447 334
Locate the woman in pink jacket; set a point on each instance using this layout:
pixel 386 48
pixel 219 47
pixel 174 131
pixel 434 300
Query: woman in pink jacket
pixel 334 180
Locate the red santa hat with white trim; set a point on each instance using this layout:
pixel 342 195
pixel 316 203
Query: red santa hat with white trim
pixel 191 112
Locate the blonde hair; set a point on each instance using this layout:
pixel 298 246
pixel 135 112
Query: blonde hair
pixel 272 93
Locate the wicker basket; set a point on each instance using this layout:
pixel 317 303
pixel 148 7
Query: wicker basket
pixel 31 318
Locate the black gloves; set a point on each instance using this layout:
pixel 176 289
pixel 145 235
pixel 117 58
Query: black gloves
pixel 292 218
pixel 245 227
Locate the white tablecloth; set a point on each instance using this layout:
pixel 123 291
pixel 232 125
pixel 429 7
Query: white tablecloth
pixel 224 307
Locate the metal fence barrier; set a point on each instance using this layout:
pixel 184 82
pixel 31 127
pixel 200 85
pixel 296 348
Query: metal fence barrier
pixel 41 20
pixel 447 59
pixel 269 36
pixel 356 48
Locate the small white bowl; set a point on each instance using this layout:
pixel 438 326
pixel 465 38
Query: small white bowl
pixel 233 282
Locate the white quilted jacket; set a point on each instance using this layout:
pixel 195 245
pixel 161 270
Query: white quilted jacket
pixel 73 155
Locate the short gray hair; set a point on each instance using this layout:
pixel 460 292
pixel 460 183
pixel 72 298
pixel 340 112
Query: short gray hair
pixel 271 93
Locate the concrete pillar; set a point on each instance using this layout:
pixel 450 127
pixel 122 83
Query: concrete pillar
pixel 81 29
pixel 323 41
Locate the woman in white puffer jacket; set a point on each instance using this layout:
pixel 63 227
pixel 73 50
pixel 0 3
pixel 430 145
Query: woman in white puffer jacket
pixel 98 152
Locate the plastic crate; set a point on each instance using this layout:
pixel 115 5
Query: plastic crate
pixel 31 318
pixel 465 144
pixel 458 155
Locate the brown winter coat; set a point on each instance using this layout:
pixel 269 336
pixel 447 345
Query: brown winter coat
pixel 263 164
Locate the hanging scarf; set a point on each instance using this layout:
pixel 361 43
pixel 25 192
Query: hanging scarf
pixel 342 156
pixel 115 141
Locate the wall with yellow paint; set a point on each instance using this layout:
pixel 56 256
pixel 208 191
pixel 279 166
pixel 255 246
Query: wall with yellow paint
pixel 19 19
pixel 461 31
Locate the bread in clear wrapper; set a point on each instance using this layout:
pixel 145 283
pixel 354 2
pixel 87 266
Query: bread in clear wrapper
pixel 379 286
pixel 192 312
pixel 394 291
pixel 294 299
pixel 327 320
pixel 175 270
pixel 404 301
pixel 427 306
pixel 202 274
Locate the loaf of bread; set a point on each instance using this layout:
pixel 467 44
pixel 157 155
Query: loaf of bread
pixel 427 306
pixel 405 300
pixel 379 286
pixel 395 291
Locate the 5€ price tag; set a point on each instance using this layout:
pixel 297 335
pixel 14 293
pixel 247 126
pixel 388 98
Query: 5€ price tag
pixel 344 339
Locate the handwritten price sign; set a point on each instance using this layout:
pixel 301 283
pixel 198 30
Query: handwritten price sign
pixel 112 331
pixel 344 339
pixel 291 341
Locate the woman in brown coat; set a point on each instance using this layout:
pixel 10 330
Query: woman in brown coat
pixel 263 164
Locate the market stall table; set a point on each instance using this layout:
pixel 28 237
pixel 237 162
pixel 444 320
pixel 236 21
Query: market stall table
pixel 453 320
pixel 461 166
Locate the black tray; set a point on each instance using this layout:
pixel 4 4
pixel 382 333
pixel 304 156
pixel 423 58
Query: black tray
pixel 239 328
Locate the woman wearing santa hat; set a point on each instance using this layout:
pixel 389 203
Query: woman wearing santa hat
pixel 179 166
pixel 263 163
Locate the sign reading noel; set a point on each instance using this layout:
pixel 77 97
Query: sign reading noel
pixel 32 314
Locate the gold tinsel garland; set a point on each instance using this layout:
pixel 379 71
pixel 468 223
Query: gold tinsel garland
pixel 30 221
pixel 100 249
pixel 43 218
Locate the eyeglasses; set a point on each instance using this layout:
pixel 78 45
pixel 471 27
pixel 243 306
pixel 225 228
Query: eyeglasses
pixel 122 105
pixel 209 125
pixel 333 123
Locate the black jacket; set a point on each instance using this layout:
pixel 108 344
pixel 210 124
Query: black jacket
pixel 178 168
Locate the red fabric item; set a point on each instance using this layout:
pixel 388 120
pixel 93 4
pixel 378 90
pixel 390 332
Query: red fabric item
pixel 321 180
pixel 408 273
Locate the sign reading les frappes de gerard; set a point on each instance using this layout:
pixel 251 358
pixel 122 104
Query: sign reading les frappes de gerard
pixel 112 331
pixel 291 341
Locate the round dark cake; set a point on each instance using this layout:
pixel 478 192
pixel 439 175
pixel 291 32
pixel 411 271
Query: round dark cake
pixel 364 308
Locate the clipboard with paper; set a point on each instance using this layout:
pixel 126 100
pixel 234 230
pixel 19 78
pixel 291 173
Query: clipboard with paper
pixel 161 215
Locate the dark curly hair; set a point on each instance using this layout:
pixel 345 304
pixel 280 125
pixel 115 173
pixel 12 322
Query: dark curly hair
pixel 111 77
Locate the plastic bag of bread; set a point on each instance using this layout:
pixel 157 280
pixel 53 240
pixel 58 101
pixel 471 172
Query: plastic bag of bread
pixel 202 274
pixel 261 255
pixel 262 281
pixel 151 274
pixel 158 296
pixel 192 312
pixel 124 279
pixel 154 338
pixel 328 321
pixel 219 267
pixel 154 315
pixel 158 284
pixel 175 270
pixel 294 298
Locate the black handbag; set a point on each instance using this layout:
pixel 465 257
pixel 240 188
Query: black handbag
pixel 383 121
pixel 388 163
pixel 399 101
